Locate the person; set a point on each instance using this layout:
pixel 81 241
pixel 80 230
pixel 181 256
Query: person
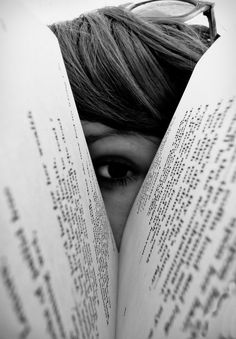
pixel 127 73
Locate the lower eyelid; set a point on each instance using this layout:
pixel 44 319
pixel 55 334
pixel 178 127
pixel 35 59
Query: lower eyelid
pixel 107 183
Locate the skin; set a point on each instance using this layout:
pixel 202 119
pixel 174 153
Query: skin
pixel 121 161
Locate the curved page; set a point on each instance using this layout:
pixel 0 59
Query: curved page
pixel 177 275
pixel 58 261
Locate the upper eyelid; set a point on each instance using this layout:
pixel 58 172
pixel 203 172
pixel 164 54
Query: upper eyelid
pixel 113 158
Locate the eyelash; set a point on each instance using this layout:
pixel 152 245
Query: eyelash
pixel 118 181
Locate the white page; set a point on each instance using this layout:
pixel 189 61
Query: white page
pixel 58 260
pixel 177 274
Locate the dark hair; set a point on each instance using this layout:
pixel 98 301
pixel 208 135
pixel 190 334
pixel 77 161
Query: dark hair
pixel 125 71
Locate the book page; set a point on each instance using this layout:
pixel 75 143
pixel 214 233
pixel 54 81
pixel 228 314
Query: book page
pixel 58 259
pixel 177 274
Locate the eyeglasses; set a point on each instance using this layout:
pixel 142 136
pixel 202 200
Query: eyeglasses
pixel 177 10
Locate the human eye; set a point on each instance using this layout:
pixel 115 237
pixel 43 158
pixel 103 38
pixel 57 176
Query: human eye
pixel 114 171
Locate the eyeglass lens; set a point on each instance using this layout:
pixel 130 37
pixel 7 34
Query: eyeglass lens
pixel 166 8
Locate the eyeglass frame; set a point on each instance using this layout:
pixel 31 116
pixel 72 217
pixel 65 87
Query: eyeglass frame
pixel 205 7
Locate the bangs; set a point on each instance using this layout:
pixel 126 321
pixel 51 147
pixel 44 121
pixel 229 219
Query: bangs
pixel 127 73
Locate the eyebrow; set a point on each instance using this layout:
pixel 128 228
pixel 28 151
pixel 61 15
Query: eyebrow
pixel 91 138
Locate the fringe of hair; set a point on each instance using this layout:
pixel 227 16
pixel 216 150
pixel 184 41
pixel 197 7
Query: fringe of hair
pixel 125 71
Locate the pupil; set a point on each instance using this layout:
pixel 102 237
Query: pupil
pixel 117 170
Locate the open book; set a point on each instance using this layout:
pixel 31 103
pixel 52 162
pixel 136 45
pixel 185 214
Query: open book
pixel 60 276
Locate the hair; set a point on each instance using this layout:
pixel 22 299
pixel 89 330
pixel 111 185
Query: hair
pixel 125 71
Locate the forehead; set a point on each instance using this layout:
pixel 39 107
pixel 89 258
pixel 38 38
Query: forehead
pixel 95 128
pixel 95 131
pixel 103 139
